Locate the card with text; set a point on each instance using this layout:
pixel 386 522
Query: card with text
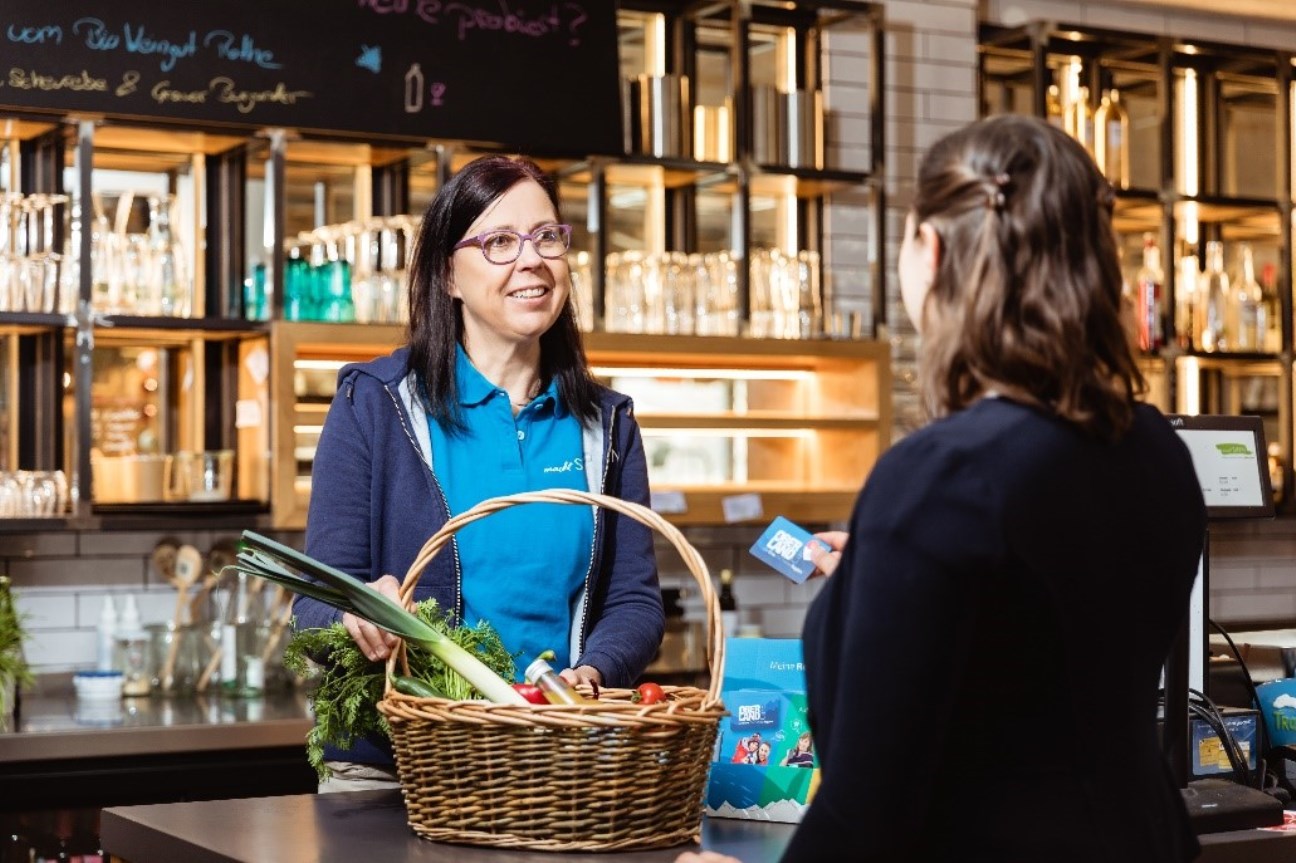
pixel 786 547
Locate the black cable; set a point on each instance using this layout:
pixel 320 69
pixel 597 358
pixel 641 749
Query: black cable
pixel 1236 768
pixel 1261 729
pixel 1206 710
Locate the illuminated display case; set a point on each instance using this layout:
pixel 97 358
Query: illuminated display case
pixel 799 423
pixel 167 365
pixel 1197 140
pixel 124 363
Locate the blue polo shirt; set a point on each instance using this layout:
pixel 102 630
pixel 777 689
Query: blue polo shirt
pixel 523 567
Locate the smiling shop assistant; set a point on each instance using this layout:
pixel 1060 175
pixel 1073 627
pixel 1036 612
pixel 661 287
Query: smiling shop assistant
pixel 492 395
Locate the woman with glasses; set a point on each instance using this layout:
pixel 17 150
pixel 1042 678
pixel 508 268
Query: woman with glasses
pixel 492 395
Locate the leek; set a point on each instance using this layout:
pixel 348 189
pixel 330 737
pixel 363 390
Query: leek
pixel 275 562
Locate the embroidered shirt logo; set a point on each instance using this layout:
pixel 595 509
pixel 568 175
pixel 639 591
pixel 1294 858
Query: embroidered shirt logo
pixel 566 467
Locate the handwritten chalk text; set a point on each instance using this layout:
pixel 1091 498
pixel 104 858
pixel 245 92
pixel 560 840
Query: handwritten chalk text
pixel 560 19
pixel 242 49
pixel 247 101
pixel 30 79
pixel 35 35
pixel 138 41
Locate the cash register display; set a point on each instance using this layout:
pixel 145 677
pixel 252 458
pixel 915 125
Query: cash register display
pixel 1231 462
pixel 1232 466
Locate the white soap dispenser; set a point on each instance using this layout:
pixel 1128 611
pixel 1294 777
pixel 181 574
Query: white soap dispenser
pixel 132 650
pixel 105 635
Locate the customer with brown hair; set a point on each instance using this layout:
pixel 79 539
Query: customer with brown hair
pixel 982 667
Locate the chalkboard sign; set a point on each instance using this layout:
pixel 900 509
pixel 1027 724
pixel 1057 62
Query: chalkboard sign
pixel 536 75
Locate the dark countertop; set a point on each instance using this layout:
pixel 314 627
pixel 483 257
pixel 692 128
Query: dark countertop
pixel 359 825
pixel 371 825
pixel 56 726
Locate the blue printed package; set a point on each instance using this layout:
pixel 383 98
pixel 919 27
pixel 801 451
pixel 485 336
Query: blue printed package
pixel 786 547
pixel 765 764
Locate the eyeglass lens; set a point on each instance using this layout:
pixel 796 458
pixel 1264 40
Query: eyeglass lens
pixel 504 247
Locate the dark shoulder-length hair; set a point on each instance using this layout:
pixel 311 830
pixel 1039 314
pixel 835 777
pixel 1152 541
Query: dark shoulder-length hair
pixel 1026 299
pixel 436 318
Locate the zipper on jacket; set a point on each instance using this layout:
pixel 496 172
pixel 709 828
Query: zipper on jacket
pixel 454 545
pixel 609 457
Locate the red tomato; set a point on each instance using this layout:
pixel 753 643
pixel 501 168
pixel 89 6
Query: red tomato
pixel 650 693
pixel 531 693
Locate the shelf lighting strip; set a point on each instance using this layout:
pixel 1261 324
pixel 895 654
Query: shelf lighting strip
pixel 704 374
pixel 635 372
pixel 743 433
pixel 798 434
pixel 320 365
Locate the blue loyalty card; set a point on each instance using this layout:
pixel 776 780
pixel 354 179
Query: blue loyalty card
pixel 785 546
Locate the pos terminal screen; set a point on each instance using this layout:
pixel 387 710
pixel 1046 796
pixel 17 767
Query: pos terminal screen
pixel 1231 461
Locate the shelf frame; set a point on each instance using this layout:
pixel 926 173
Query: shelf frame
pixel 1031 45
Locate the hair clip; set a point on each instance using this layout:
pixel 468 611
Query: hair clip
pixel 995 200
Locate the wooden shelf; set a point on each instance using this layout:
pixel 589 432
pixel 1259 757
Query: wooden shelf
pixel 756 422
pixel 647 172
pixel 810 505
pixel 132 328
pixel 729 351
pixel 818 412
pixel 25 323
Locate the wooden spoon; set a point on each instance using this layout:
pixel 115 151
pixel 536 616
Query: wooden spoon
pixel 188 567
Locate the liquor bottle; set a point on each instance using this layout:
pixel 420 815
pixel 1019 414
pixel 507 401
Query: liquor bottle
pixel 1111 139
pixel 1212 301
pixel 1073 100
pixel 1188 274
pixel 728 605
pixel 1150 287
pixel 1273 308
pixel 1276 471
pixel 1249 301
pixel 1053 106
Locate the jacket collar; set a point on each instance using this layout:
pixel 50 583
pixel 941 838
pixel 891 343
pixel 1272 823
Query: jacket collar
pixel 393 368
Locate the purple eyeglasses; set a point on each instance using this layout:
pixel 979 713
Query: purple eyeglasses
pixel 505 246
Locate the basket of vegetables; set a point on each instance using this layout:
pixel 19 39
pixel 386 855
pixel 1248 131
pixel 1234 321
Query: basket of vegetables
pixel 620 770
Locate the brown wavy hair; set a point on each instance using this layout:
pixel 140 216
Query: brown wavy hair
pixel 1026 299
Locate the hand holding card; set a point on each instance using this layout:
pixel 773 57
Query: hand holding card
pixel 786 547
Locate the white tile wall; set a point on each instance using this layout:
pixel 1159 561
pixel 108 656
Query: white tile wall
pixel 59 650
pixel 62 620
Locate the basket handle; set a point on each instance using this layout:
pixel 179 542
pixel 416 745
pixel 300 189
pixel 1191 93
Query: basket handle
pixel 715 647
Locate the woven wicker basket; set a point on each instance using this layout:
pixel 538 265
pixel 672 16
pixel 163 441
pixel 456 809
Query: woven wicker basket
pixel 604 776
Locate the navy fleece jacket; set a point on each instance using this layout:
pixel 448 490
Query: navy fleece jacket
pixel 375 500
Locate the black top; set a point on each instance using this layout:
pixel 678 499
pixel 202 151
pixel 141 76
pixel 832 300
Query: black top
pixel 982 669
